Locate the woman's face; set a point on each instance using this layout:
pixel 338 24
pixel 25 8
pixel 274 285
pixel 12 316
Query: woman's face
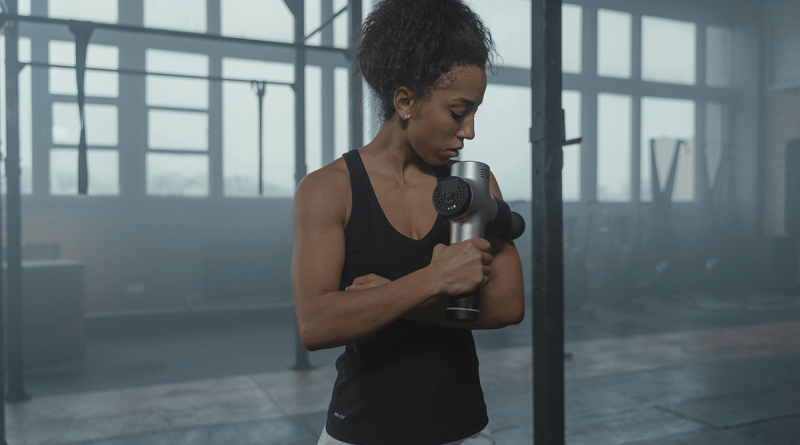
pixel 446 116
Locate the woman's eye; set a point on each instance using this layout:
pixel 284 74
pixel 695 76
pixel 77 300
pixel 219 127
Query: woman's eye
pixel 457 116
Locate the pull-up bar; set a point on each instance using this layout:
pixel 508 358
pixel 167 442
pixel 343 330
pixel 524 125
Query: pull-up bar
pixel 260 92
pixel 147 73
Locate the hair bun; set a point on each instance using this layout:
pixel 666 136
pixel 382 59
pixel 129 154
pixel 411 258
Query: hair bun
pixel 412 42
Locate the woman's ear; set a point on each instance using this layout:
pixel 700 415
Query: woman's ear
pixel 404 102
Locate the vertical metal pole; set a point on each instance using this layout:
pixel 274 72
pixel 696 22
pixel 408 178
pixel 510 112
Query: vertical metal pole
pixel 299 92
pixel 133 135
pixel 700 124
pixel 356 96
pixel 216 177
pixel 636 107
pixel 16 391
pixel 3 22
pixel 547 216
pixel 298 8
pixel 261 88
pixel 328 87
pixel 589 133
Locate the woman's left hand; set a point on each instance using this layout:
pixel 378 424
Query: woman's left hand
pixel 367 281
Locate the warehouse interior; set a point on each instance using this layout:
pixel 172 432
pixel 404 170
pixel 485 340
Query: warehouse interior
pixel 147 233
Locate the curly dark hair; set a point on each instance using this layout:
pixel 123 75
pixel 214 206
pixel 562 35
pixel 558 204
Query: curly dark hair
pixel 411 43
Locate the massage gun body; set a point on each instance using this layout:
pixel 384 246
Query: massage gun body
pixel 481 210
pixel 465 198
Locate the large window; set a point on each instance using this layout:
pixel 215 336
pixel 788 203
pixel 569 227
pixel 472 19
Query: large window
pixel 501 139
pixel 182 15
pixel 657 110
pixel 502 122
pixel 613 44
pixel 626 91
pixel 668 50
pixel 572 33
pixel 668 130
pixel 628 80
pixel 613 147
pixel 719 55
pixel 240 129
pixel 25 120
pixel 257 19
pixel 177 124
pixel 509 22
pixel 92 10
pixel 101 114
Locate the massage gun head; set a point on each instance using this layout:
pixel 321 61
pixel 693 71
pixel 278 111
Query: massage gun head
pixel 465 199
pixel 452 197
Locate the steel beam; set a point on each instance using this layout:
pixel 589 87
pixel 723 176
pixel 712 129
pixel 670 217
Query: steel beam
pixel 16 391
pixel 328 111
pixel 356 96
pixel 2 332
pixel 298 9
pixel 547 137
pixel 172 33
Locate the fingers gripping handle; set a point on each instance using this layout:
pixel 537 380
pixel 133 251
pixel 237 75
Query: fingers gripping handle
pixel 464 307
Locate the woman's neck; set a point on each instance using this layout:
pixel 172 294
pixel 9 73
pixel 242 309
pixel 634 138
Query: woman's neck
pixel 393 155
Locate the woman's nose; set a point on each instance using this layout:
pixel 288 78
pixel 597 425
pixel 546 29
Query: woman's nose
pixel 468 130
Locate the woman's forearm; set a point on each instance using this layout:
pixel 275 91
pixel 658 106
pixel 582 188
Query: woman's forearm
pixel 342 317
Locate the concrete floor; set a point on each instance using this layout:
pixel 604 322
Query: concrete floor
pixel 689 369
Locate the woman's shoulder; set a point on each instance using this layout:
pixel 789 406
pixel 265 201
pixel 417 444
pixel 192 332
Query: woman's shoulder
pixel 335 171
pixel 327 185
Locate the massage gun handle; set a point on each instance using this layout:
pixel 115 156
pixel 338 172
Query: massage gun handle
pixel 464 307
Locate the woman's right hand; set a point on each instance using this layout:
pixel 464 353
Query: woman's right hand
pixel 462 267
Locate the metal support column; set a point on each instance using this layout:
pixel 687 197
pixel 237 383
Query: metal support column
pixel 328 112
pixel 356 96
pixel 298 9
pixel 547 136
pixel 16 391
pixel 3 22
pixel 260 89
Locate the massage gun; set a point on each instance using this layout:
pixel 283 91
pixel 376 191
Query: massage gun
pixel 464 198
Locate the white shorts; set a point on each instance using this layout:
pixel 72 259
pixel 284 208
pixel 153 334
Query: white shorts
pixel 483 437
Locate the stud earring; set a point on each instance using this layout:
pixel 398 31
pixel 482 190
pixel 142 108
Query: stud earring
pixel 407 116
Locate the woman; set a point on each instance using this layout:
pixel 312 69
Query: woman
pixel 371 266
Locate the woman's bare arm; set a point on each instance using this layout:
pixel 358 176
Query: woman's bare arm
pixel 326 317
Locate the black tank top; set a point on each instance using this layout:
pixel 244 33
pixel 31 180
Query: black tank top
pixel 410 382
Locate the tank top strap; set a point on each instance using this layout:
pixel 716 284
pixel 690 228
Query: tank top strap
pixel 360 187
pixel 358 174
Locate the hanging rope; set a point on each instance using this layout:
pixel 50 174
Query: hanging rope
pixel 260 88
pixel 83 32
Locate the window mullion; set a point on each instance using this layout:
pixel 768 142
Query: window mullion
pixel 42 109
pixel 588 148
pixel 636 108
pixel 215 128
